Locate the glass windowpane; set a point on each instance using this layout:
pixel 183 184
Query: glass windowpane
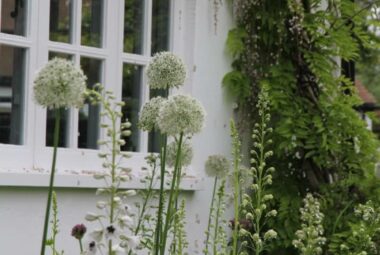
pixel 133 26
pixel 131 96
pixel 160 26
pixel 154 136
pixel 92 20
pixel 13 17
pixel 61 19
pixel 65 114
pixel 89 120
pixel 12 71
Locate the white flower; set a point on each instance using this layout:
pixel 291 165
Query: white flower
pixel 181 114
pixel 217 165
pixel 130 242
pixel 270 234
pixel 166 70
pixel 126 221
pixel 92 216
pixel 149 114
pixel 186 154
pixel 60 84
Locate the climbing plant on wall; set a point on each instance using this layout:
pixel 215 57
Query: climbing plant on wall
pixel 295 47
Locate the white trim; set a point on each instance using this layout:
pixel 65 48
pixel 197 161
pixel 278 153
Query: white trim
pixel 85 181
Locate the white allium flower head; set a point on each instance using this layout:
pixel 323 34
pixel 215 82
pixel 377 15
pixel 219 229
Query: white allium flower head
pixel 60 84
pixel 186 153
pixel 217 166
pixel 166 70
pixel 149 114
pixel 181 114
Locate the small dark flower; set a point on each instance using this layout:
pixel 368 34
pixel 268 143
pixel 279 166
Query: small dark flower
pixel 111 229
pixel 78 231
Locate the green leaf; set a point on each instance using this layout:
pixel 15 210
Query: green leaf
pixel 237 84
pixel 235 41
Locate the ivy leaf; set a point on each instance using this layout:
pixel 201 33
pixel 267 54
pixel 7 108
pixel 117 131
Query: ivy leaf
pixel 235 41
pixel 237 85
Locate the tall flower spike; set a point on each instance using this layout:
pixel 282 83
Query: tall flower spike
pixel 60 84
pixel 181 114
pixel 166 71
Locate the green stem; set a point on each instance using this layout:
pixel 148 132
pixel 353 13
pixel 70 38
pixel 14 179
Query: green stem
pixel 236 205
pixel 173 194
pixel 158 234
pixel 216 224
pixel 80 246
pixel 51 184
pixel 210 215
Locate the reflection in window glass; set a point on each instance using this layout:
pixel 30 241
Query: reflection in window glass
pixel 160 25
pixel 92 20
pixel 154 136
pixel 13 17
pixel 64 115
pixel 131 96
pixel 89 114
pixel 133 26
pixel 61 20
pixel 11 94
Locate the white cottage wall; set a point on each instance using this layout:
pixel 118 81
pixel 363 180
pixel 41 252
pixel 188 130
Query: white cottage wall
pixel 22 209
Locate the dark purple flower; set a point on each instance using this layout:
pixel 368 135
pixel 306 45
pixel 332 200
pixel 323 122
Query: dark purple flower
pixel 78 231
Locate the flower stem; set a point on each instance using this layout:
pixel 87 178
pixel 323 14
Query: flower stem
pixel 51 184
pixel 210 216
pixel 173 195
pixel 80 246
pixel 158 234
pixel 217 215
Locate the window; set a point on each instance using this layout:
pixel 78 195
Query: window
pixel 112 41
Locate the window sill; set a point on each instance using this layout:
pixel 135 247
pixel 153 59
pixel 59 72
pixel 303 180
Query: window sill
pixel 189 183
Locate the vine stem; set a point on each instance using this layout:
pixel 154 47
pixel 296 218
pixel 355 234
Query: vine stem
pixel 210 215
pixel 52 174
pixel 173 195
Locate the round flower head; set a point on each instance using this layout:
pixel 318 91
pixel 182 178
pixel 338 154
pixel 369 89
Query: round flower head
pixel 60 84
pixel 181 114
pixel 149 114
pixel 217 166
pixel 166 70
pixel 186 154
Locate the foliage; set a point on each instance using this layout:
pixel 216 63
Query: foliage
pixel 294 48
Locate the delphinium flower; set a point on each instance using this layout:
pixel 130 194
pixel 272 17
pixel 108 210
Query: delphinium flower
pixel 59 84
pixel 166 71
pixel 181 114
pixel 185 157
pixel 363 234
pixel 217 167
pixel 149 114
pixel 115 216
pixel 255 205
pixel 310 238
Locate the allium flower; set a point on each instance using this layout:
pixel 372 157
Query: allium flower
pixel 181 114
pixel 186 154
pixel 78 231
pixel 217 166
pixel 166 70
pixel 149 114
pixel 60 84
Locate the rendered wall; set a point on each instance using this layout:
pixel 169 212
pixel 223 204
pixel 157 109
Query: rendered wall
pixel 22 209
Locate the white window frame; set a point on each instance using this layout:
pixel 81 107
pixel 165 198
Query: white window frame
pixel 29 164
